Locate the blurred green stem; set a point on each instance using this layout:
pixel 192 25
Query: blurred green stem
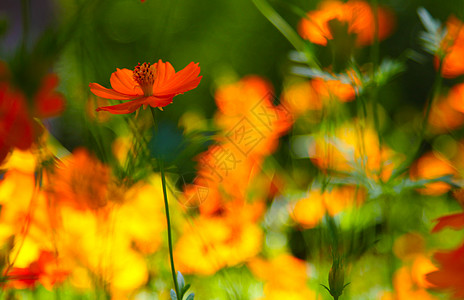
pixel 166 206
pixel 288 32
pixel 375 90
pixel 279 23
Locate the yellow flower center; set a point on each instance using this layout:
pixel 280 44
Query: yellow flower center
pixel 144 75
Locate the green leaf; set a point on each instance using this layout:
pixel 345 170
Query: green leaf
pixel 190 297
pixel 185 289
pixel 180 282
pixel 173 295
pixel 433 35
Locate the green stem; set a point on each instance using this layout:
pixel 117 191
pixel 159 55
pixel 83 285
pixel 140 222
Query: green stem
pixel 279 23
pixel 166 206
pixel 168 220
pixel 288 32
pixel 374 94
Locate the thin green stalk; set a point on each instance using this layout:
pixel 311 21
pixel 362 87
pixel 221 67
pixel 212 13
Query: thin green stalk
pixel 166 206
pixel 168 220
pixel 279 23
pixel 375 64
pixel 288 32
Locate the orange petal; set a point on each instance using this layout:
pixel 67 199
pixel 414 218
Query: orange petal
pixel 103 92
pixel 170 83
pixel 164 72
pixel 159 102
pixel 124 108
pixel 123 82
pixel 455 221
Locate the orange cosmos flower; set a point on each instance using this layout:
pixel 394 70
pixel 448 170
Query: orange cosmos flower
pixel 453 47
pixel 149 84
pixel 450 275
pixel 18 129
pixel 47 270
pixel 327 89
pixel 433 165
pixel 357 15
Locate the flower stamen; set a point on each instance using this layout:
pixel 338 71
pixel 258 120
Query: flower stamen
pixel 144 75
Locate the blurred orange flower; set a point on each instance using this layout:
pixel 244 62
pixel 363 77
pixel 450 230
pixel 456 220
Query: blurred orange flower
pixel 148 84
pixel 47 270
pixel 301 97
pixel 81 181
pixel 357 15
pixel 450 276
pixel 284 276
pixel 453 48
pixel 327 89
pixel 217 242
pixel 432 165
pixel 447 112
pixel 454 221
pixel 409 284
pixel 18 129
pixel 352 147
pixel 251 127
pixel 309 211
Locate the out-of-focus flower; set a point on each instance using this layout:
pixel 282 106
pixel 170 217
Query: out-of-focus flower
pixel 111 243
pixel 357 15
pixel 447 112
pixel 251 126
pixel 454 221
pixel 408 246
pixel 353 148
pixel 18 129
pixel 450 275
pixel 328 89
pixel 429 166
pixel 301 97
pixel 284 276
pixel 25 219
pixel 104 237
pixel 47 270
pixel 148 84
pixel 217 242
pixel 309 211
pixel 409 281
pixel 81 181
pixel 453 48
pixel 47 102
pixel 406 285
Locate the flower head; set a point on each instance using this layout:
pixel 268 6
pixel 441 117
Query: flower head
pixel 148 84
pixel 18 129
pixel 453 48
pixel 450 275
pixel 358 16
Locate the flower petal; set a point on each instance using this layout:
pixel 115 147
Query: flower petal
pixel 123 82
pixel 124 108
pixel 169 83
pixel 454 221
pixel 159 102
pixel 103 92
pixel 48 102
